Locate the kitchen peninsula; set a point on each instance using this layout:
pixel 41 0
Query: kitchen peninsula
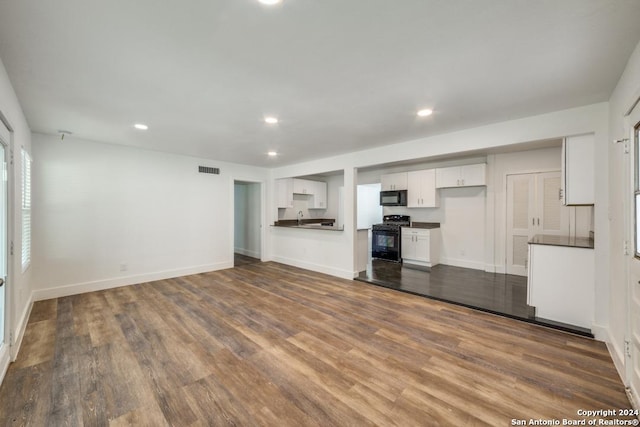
pixel 328 224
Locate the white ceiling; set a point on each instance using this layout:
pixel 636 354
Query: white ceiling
pixel 341 75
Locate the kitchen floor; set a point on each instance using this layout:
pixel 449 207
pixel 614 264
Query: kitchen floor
pixel 502 294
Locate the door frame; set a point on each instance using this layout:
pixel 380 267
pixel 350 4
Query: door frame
pixel 9 352
pixel 505 189
pixel 631 119
pixel 263 243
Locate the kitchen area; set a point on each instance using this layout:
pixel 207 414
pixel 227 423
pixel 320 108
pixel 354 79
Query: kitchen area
pixel 507 232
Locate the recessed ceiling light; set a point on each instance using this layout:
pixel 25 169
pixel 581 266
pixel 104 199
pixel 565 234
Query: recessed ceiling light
pixel 271 120
pixel 141 126
pixel 424 113
pixel 272 153
pixel 269 2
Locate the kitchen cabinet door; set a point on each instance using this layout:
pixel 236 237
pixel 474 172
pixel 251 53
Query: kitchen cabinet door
pixel 447 177
pixel 462 176
pixel 474 175
pixel 422 189
pixel 578 170
pixel 284 192
pixel 319 199
pixel 302 186
pixel 394 181
pixel 421 246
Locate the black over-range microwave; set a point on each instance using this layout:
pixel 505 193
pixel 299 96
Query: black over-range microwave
pixel 393 198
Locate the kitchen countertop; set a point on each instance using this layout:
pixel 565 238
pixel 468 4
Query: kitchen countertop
pixel 428 225
pixel 572 242
pixel 309 224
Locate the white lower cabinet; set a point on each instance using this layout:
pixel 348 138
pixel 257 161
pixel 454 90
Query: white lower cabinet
pixel 561 284
pixel 421 246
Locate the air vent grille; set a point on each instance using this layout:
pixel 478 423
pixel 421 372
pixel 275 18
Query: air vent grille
pixel 207 169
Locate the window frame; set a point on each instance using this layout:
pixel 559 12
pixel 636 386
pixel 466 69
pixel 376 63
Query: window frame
pixel 26 210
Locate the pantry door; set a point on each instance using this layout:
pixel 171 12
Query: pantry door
pixel 534 206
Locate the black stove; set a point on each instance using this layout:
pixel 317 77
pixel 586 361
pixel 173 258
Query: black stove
pixel 386 242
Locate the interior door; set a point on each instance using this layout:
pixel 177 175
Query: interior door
pixel 632 358
pixel 534 206
pixel 552 216
pixel 520 214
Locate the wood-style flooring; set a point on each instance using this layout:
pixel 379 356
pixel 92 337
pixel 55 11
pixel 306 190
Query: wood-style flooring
pixel 271 345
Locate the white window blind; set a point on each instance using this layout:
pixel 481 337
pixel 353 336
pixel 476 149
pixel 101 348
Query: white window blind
pixel 26 210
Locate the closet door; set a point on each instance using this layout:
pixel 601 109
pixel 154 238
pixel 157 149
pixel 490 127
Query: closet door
pixel 552 216
pixel 534 207
pixel 520 215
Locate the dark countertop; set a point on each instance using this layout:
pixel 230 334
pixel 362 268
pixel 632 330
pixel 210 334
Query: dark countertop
pixel 326 224
pixel 427 225
pixel 571 242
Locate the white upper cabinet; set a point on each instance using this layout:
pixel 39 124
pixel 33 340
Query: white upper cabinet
pixel 303 186
pixel 284 188
pixel 290 186
pixel 394 181
pixel 462 176
pixel 422 189
pixel 319 199
pixel 578 171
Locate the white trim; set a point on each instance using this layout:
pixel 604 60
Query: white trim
pixel 617 356
pixel 21 328
pixel 343 274
pixel 600 333
pixel 5 359
pixel 99 285
pixel 475 265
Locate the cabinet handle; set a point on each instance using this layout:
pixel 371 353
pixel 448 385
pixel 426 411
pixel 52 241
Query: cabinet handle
pixel 538 221
pixel 533 221
pixel 463 182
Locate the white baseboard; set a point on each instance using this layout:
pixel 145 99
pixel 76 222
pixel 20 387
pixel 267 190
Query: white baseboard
pixel 99 285
pixel 600 333
pixel 21 327
pixel 247 252
pixel 617 355
pixel 476 265
pixel 5 359
pixel 343 274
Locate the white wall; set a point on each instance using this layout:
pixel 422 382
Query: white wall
pixel 622 98
pixel 106 215
pixel 19 285
pixel 247 217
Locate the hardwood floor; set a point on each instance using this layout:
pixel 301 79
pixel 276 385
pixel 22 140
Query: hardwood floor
pixel 240 260
pixel 268 344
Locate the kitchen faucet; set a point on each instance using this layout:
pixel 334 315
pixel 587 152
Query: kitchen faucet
pixel 300 217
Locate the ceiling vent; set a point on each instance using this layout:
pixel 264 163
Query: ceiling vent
pixel 207 169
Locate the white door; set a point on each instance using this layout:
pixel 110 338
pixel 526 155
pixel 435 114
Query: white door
pixel 534 206
pixel 520 215
pixel 4 317
pixel 632 358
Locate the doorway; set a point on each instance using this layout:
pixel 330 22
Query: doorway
pixel 247 231
pixel 534 206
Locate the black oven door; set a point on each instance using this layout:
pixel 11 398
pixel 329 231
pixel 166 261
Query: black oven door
pixel 385 244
